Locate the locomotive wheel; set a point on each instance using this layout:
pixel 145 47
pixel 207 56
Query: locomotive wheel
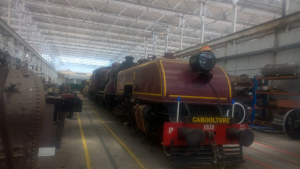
pixel 291 123
pixel 109 103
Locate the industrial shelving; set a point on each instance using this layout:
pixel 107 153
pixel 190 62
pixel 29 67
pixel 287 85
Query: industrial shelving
pixel 243 95
pixel 275 105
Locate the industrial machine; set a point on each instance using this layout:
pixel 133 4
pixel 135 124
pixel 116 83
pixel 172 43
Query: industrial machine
pixel 25 124
pixel 187 106
pixel 22 108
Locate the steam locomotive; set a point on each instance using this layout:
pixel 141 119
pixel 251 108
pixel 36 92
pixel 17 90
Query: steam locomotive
pixel 189 106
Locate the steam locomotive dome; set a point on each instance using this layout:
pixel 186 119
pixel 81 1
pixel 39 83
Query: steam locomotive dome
pixel 203 62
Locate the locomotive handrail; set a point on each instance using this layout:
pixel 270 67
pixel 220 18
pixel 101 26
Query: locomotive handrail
pixel 178 106
pixel 232 112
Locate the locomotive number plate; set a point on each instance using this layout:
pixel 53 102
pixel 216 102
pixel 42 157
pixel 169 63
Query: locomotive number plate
pixel 208 127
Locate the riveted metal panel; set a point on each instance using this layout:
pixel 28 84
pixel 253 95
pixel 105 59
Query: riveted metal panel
pixel 25 106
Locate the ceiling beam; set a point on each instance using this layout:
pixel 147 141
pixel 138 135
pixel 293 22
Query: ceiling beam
pixel 97 33
pixel 72 31
pixel 151 7
pixel 246 8
pixel 82 39
pixel 147 32
pixel 65 42
pixel 55 41
pixel 115 16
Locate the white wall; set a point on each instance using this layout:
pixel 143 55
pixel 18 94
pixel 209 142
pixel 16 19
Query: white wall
pixel 252 64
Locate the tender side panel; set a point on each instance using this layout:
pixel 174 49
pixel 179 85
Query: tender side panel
pixel 99 79
pixel 181 81
pixel 145 80
pixel 164 80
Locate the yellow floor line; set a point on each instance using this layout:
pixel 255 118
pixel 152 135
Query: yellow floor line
pixel 119 140
pixel 86 152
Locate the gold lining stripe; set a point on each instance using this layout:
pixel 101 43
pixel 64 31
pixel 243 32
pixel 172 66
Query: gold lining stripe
pixel 229 84
pixel 133 76
pixel 199 97
pixel 159 78
pixel 141 114
pixel 164 75
pixel 151 94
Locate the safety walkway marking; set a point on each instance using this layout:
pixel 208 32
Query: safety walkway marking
pixel 277 149
pixel 258 162
pixel 86 152
pixel 100 137
pixel 118 139
pixel 288 161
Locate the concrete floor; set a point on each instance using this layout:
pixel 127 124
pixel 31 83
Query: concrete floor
pixel 111 145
